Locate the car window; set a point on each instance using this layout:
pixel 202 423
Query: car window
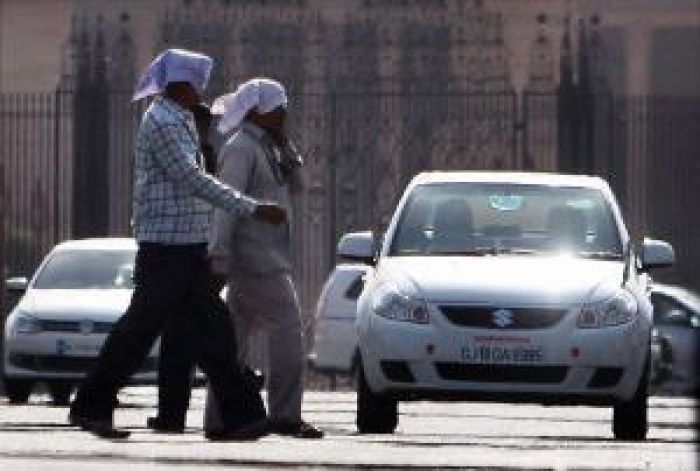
pixel 80 269
pixel 355 289
pixel 471 218
pixel 669 312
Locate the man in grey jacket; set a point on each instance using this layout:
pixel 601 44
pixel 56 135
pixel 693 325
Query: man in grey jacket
pixel 259 160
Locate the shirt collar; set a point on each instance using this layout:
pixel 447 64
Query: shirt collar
pixel 175 109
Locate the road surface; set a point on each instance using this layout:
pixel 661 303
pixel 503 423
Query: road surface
pixel 429 436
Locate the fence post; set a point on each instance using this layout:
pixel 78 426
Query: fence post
pixel 332 177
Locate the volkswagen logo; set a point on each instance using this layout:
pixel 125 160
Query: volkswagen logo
pixel 503 318
pixel 86 326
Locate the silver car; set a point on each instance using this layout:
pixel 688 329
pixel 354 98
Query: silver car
pixel 56 330
pixel 677 319
pixel 335 334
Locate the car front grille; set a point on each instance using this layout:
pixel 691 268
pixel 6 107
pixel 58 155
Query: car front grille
pixel 502 373
pixel 76 326
pixel 66 364
pixel 503 319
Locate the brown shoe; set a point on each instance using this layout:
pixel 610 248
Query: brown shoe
pixel 251 432
pixel 299 429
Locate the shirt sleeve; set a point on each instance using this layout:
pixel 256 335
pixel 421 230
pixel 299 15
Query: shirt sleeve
pixel 176 154
pixel 235 167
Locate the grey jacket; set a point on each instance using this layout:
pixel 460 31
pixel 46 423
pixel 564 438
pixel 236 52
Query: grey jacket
pixel 240 245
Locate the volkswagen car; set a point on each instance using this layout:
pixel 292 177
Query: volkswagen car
pixel 508 287
pixel 54 333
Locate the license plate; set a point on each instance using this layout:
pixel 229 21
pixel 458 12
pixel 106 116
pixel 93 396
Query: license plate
pixel 502 352
pixel 76 347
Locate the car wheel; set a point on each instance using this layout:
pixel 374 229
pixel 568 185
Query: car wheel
pixel 18 390
pixel 60 392
pixel 630 417
pixel 375 413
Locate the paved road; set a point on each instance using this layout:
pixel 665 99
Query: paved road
pixel 430 436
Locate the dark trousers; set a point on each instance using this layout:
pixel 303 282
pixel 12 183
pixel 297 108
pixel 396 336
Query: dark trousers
pixel 175 376
pixel 172 289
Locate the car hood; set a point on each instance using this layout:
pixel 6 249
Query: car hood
pixel 103 304
pixel 507 280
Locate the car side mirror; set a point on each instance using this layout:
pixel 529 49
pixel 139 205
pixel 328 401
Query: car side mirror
pixel 17 284
pixel 656 254
pixel 357 246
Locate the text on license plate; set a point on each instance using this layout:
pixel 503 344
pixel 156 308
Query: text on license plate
pixel 489 353
pixel 68 347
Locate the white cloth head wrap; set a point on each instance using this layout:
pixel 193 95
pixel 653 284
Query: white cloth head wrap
pixel 263 94
pixel 174 65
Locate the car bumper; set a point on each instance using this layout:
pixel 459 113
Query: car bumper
pixel 560 364
pixel 48 356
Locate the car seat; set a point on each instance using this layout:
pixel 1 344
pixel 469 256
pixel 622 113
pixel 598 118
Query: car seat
pixel 566 227
pixel 453 226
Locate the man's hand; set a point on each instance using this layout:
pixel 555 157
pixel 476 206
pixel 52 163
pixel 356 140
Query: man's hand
pixel 269 212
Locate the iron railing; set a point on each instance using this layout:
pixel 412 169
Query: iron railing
pixel 361 149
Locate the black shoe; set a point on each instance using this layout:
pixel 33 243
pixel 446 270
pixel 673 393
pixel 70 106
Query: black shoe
pixel 102 428
pixel 299 429
pixel 161 426
pixel 247 433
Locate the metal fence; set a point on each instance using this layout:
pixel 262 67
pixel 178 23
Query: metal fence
pixel 66 160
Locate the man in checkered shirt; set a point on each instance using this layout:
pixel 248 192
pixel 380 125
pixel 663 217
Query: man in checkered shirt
pixel 174 284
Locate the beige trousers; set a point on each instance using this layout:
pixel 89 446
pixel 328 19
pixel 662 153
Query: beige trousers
pixel 268 303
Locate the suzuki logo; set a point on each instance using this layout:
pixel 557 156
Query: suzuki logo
pixel 503 318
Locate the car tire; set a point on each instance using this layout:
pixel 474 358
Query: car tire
pixel 18 390
pixel 630 421
pixel 60 392
pixel 375 413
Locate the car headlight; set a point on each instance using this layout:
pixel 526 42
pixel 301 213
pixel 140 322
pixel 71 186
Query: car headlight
pixel 25 324
pixel 619 309
pixel 390 302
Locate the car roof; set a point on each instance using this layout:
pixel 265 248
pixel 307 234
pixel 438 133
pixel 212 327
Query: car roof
pixel 527 178
pixel 98 243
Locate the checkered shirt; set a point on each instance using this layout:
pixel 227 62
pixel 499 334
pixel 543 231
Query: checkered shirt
pixel 172 193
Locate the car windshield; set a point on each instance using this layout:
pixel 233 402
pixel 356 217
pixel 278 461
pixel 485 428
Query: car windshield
pixel 492 219
pixel 81 269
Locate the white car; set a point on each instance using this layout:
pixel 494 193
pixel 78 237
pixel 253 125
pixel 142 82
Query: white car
pixel 55 332
pixel 335 335
pixel 677 319
pixel 507 287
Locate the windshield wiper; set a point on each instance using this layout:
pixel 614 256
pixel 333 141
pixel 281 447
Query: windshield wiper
pixel 483 251
pixel 600 255
pixel 512 251
pixel 476 252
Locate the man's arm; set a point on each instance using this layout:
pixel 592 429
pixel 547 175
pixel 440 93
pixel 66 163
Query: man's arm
pixel 177 157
